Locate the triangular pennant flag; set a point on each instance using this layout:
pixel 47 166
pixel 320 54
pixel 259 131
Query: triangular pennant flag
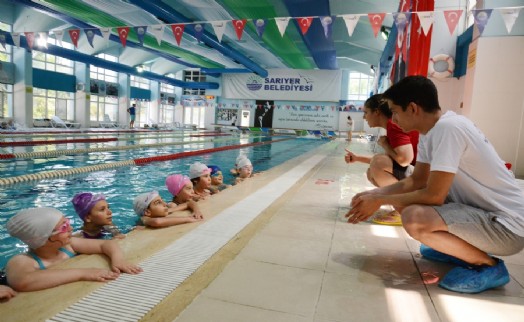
pixel 74 34
pixel 90 34
pixel 158 32
pixel 199 30
pixel 481 18
pixel 3 38
pixel 426 20
pixel 140 33
pixel 30 38
pixel 106 32
pixel 123 32
pixel 219 27
pixel 59 35
pixel 304 23
pixel 351 22
pixel 452 19
pixel 16 38
pixel 260 25
pixel 43 36
pixel 509 16
pixel 327 23
pixel 178 31
pixel 239 27
pixel 376 21
pixel 282 24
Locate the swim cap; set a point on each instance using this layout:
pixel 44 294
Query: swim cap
pixel 244 162
pixel 214 169
pixel 198 169
pixel 176 182
pixel 143 200
pixel 84 202
pixel 34 226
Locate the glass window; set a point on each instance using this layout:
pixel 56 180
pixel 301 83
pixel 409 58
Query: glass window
pixel 360 85
pixel 191 75
pixel 101 105
pixel 167 114
pixel 51 62
pixel 47 103
pixel 6 100
pixel 102 73
pixel 167 88
pixel 141 82
pixel 5 53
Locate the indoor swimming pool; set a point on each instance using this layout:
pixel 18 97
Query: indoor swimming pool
pixel 121 184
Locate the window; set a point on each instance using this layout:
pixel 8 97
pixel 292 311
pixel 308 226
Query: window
pixel 166 88
pixel 51 62
pixel 142 113
pixel 101 105
pixel 102 73
pixel 5 54
pixel 6 100
pixel 47 103
pixel 141 82
pixel 194 76
pixel 360 85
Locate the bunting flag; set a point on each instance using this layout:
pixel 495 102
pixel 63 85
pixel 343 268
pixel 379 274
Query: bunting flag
pixel 481 18
pixel 419 43
pixel 178 31
pixel 304 24
pixel 327 24
pixel 158 32
pixel 90 34
pixel 43 35
pixel 30 38
pixel 452 19
pixel 74 34
pixel 140 33
pixel 123 32
pixel 59 35
pixel 106 32
pixel 426 20
pixel 3 38
pixel 509 16
pixel 351 23
pixel 260 25
pixel 239 27
pixel 16 38
pixel 199 30
pixel 376 21
pixel 219 27
pixel 282 24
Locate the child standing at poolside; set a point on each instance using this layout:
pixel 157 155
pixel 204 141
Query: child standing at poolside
pixel 48 234
pixel 199 174
pixel 217 180
pixel 153 211
pixel 181 188
pixel 96 215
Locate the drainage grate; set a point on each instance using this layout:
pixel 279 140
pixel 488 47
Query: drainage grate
pixel 130 297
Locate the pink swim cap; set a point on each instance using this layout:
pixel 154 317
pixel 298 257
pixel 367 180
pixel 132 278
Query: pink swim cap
pixel 176 182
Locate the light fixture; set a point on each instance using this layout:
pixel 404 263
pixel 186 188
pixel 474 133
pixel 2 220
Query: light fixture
pixel 384 32
pixel 140 68
pixel 41 41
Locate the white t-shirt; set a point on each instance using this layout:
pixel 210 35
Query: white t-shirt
pixel 481 179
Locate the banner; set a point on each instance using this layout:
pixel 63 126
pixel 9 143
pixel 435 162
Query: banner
pixel 285 84
pixel 311 118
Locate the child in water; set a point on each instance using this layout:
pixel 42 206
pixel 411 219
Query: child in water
pixel 181 188
pixel 244 170
pixel 96 215
pixel 153 211
pixel 199 174
pixel 48 234
pixel 217 180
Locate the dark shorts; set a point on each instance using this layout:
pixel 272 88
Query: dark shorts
pixel 401 172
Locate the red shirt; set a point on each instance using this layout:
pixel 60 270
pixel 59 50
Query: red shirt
pixel 397 137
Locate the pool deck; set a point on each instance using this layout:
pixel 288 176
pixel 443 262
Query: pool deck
pixel 298 261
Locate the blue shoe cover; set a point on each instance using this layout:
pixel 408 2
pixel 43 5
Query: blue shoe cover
pixel 476 279
pixel 434 255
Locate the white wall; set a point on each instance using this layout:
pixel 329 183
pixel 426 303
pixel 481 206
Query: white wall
pixel 494 96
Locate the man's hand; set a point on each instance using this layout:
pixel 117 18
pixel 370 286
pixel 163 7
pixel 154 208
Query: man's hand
pixel 350 157
pixel 363 206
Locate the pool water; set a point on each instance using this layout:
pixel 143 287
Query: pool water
pixel 121 185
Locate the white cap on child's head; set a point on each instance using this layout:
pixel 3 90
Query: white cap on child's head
pixel 198 169
pixel 244 162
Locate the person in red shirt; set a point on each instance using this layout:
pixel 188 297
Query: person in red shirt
pixel 400 149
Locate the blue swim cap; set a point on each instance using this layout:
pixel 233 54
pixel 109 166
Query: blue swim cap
pixel 214 169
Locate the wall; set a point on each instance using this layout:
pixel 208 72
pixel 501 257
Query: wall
pixel 494 96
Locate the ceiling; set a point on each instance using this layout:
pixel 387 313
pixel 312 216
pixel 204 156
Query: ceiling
pixel 251 54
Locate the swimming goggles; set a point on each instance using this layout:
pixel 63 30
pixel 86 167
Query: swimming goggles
pixel 64 228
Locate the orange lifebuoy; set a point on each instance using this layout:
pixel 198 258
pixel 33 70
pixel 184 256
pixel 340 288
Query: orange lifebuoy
pixel 443 72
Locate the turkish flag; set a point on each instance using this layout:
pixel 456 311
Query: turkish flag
pixel 74 34
pixel 178 31
pixel 304 23
pixel 123 32
pixel 376 21
pixel 419 45
pixel 239 27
